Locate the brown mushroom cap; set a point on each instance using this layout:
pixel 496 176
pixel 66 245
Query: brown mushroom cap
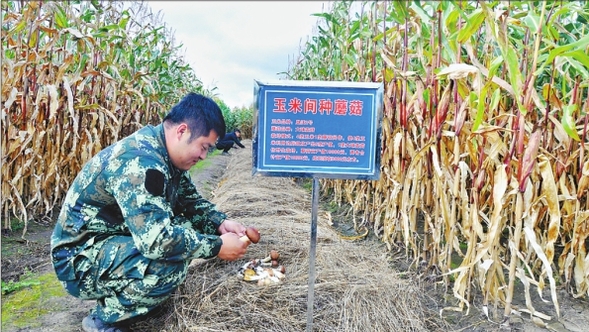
pixel 274 255
pixel 252 234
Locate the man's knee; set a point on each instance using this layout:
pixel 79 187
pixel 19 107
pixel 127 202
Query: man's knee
pixel 151 277
pixel 160 280
pixel 169 274
pixel 118 265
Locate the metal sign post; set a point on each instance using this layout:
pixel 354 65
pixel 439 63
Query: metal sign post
pixel 317 129
pixel 312 250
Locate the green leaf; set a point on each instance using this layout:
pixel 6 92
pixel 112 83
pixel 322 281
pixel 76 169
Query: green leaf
pixel 532 21
pixel 33 38
pixel 515 75
pixel 472 25
pixel 18 27
pixel 61 19
pixel 511 59
pixel 495 100
pixel 350 60
pixel 581 57
pixel 96 4
pixel 451 22
pixel 87 16
pixel 124 20
pixel 109 27
pixel 568 122
pixel 399 14
pixel 580 44
pixel 416 6
pixel 481 102
pixel 495 64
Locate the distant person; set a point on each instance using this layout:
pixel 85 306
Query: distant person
pixel 132 220
pixel 228 141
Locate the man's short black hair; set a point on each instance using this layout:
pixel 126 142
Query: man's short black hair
pixel 201 114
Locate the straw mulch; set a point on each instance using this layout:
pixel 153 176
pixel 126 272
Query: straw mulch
pixel 356 288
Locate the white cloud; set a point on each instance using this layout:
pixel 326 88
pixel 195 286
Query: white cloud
pixel 231 43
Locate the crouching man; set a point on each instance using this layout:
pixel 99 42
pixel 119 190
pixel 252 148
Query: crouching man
pixel 133 220
pixel 229 141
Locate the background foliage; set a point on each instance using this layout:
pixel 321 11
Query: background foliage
pixel 484 168
pixel 238 118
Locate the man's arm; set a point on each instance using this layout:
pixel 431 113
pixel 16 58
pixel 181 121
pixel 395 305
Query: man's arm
pixel 203 214
pixel 140 192
pixel 237 141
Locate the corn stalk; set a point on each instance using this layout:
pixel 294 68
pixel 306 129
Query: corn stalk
pixel 76 76
pixel 484 159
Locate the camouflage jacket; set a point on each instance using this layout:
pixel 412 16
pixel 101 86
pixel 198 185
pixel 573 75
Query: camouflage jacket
pixel 131 188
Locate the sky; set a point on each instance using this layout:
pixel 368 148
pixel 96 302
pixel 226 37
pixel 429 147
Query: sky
pixel 229 44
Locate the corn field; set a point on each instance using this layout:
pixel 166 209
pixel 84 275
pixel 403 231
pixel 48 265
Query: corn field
pixel 76 77
pixel 485 161
pixel 241 118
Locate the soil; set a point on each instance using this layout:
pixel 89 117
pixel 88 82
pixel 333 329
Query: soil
pixel 59 312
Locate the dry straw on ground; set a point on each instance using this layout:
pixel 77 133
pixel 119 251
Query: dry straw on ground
pixel 355 290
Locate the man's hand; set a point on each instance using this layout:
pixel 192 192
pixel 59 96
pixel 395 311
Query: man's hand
pixel 231 226
pixel 233 248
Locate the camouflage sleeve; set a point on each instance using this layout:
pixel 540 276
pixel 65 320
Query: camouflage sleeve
pixel 202 213
pixel 140 191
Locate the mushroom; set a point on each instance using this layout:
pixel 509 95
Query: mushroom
pixel 248 265
pixel 274 255
pixel 264 282
pixel 268 281
pixel 251 235
pixel 279 273
pixel 269 271
pixel 255 276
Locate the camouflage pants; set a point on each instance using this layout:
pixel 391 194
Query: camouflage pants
pixel 125 283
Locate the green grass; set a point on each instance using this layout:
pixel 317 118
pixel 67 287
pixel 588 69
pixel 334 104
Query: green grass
pixel 307 184
pixel 27 280
pixel 29 298
pixel 15 225
pixel 203 164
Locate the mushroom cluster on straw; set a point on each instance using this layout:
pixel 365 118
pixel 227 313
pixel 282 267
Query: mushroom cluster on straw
pixel 264 271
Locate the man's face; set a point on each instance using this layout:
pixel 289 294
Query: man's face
pixel 238 134
pixel 186 154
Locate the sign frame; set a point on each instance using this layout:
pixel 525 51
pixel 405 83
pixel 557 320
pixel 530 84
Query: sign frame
pixel 372 91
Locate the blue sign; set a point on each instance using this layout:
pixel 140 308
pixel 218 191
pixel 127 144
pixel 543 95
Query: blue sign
pixel 317 129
